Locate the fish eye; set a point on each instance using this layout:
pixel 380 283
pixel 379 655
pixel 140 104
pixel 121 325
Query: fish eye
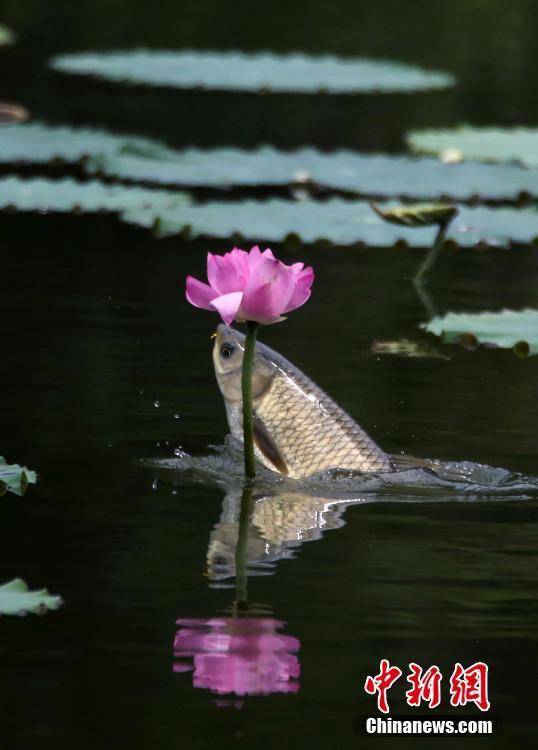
pixel 226 350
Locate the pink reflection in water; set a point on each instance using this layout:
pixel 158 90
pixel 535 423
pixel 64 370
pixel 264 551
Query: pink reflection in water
pixel 244 656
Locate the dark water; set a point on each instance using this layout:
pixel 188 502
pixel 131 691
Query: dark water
pixel 96 332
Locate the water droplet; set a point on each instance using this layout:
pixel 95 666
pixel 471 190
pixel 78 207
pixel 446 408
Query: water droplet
pixel 141 392
pixel 156 404
pixel 176 416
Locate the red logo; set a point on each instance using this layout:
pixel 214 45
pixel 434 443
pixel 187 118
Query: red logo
pixel 470 685
pixel 466 685
pixel 425 687
pixel 381 683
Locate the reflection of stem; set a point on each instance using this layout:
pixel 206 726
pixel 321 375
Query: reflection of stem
pixel 246 383
pixel 427 265
pixel 241 592
pixel 424 297
pixel 431 258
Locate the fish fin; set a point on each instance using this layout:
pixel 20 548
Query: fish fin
pixel 267 447
pixel 402 461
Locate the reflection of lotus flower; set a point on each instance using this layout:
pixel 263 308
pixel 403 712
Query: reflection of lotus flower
pixel 242 656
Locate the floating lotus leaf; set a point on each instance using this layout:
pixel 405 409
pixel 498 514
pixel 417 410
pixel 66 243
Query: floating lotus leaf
pixel 15 478
pixel 417 215
pixel 260 71
pixel 68 195
pixel 506 329
pixel 6 36
pixel 17 599
pixel 145 160
pixel 365 174
pixel 483 144
pixel 39 143
pixel 338 221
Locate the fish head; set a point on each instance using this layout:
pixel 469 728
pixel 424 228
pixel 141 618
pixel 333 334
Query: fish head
pixel 228 351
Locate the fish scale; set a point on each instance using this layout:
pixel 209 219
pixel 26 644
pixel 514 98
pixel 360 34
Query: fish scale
pixel 309 431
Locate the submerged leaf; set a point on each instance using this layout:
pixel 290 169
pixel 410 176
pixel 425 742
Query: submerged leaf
pixel 142 159
pixel 6 36
pixel 483 144
pixel 17 599
pixel 418 215
pixel 505 329
pixel 15 478
pixel 11 113
pixel 259 71
pixel 407 348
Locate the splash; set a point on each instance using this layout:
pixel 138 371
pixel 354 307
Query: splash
pixel 287 513
pixel 435 480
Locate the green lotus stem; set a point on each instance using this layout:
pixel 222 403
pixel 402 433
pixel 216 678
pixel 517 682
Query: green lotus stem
pixel 241 578
pixel 246 384
pixel 431 258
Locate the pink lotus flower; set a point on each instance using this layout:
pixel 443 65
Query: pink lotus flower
pixel 243 656
pixel 250 286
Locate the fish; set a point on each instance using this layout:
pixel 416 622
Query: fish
pixel 298 429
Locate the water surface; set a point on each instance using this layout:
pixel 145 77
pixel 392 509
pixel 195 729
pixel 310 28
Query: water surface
pixel 105 366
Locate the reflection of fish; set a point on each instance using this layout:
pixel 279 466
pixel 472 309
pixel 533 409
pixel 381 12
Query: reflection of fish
pixel 281 521
pixel 298 429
